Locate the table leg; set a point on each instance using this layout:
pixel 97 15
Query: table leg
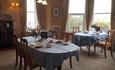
pixel 59 68
pixel 89 50
pixel 70 62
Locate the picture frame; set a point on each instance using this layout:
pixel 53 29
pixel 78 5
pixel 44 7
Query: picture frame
pixel 56 11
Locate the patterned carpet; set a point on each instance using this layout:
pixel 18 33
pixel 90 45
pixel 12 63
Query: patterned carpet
pixel 92 62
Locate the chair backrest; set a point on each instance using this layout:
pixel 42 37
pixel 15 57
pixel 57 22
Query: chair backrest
pixel 16 45
pixel 110 34
pixel 53 32
pixel 76 29
pixel 44 35
pixel 109 39
pixel 68 36
pixel 27 56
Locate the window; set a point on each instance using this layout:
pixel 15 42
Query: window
pixel 76 14
pixel 102 13
pixel 31 12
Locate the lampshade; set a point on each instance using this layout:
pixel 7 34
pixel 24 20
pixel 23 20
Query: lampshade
pixel 14 4
pixel 39 1
pixel 43 2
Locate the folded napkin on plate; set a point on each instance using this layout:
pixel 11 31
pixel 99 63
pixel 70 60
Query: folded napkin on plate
pixel 65 43
pixel 37 44
pixel 58 41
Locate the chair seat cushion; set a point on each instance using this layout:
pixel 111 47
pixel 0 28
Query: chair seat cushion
pixel 100 44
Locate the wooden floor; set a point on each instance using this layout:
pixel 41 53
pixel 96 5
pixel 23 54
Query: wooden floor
pixel 92 62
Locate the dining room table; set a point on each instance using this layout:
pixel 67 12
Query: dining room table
pixel 52 53
pixel 87 39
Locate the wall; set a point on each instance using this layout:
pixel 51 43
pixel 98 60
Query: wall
pixel 14 12
pixel 50 20
pixel 56 21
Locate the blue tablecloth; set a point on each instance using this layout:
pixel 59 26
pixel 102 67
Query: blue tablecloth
pixel 51 58
pixel 90 38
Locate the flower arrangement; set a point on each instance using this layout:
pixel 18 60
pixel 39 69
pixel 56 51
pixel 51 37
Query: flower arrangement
pixel 97 28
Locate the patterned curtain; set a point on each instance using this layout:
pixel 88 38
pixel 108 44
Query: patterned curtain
pixel 23 14
pixel 65 7
pixel 113 23
pixel 89 13
pixel 41 15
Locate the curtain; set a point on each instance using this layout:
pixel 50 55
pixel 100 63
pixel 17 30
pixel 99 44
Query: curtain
pixel 65 8
pixel 113 23
pixel 0 5
pixel 23 15
pixel 41 15
pixel 89 13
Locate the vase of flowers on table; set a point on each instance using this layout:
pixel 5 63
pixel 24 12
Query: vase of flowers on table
pixel 97 28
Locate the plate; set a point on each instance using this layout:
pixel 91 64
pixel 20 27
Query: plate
pixel 58 41
pixel 65 43
pixel 37 45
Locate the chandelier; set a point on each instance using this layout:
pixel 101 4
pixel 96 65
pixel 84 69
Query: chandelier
pixel 44 2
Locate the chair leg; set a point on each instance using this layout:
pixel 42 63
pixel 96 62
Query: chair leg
pixel 70 59
pixel 81 48
pixel 105 52
pixel 101 49
pixel 89 50
pixel 20 63
pixel 59 68
pixel 94 49
pixel 16 60
pixel 40 68
pixel 111 51
pixel 31 68
pixel 25 64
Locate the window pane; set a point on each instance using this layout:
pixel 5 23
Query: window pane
pixel 74 20
pixel 101 6
pixel 30 5
pixel 76 6
pixel 103 20
pixel 102 13
pixel 76 14
pixel 31 14
pixel 31 20
pixel 102 17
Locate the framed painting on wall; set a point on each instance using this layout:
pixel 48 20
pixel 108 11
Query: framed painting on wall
pixel 56 11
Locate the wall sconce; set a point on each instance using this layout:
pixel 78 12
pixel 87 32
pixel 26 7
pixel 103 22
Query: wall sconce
pixel 44 2
pixel 14 4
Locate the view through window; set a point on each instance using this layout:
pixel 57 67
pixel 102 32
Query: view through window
pixel 31 18
pixel 101 17
pixel 102 14
pixel 76 14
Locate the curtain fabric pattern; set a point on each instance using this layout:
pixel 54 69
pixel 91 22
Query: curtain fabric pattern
pixel 113 23
pixel 41 15
pixel 23 10
pixel 89 13
pixel 65 8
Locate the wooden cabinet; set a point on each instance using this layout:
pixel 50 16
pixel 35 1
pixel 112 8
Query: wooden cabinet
pixel 6 32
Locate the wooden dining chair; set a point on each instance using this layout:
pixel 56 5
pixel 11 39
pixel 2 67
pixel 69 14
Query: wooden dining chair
pixel 19 53
pixel 54 32
pixel 76 29
pixel 105 44
pixel 68 38
pixel 28 60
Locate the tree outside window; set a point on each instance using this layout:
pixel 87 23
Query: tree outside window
pixel 76 14
pixel 102 14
